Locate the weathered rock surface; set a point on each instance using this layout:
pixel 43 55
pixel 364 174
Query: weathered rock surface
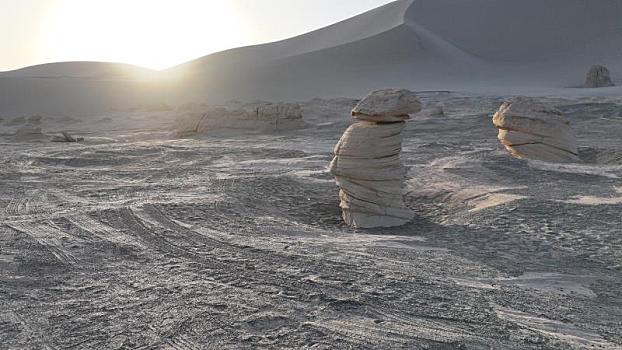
pixel 252 116
pixel 66 137
pixel 390 105
pixel 597 77
pixel 367 164
pixel 531 130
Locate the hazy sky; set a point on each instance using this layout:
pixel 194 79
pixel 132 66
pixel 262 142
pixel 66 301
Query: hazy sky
pixel 154 33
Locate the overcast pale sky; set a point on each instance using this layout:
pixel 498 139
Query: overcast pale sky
pixel 154 33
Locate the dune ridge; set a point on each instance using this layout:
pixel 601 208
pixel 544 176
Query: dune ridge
pixel 505 47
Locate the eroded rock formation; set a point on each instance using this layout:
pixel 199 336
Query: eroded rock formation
pixel 367 164
pixel 66 137
pixel 597 77
pixel 252 116
pixel 389 105
pixel 529 129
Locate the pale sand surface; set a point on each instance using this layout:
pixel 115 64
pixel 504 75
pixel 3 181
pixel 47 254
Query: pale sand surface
pixel 135 240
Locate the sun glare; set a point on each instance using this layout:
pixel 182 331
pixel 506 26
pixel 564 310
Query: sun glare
pixel 151 33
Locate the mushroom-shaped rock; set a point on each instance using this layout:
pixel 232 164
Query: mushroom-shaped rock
pixel 597 77
pixel 367 164
pixel 529 129
pixel 389 105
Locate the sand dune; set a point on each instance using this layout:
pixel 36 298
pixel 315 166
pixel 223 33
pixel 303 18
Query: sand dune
pixel 492 48
pixel 82 70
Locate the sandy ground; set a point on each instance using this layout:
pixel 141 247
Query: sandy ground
pixel 134 241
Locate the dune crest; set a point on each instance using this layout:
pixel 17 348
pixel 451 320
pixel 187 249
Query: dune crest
pixel 487 49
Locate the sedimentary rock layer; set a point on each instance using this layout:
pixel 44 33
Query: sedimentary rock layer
pixel 252 116
pixel 370 175
pixel 531 130
pixel 367 164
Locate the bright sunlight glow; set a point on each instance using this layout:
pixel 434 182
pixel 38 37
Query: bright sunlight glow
pixel 148 33
pixel 154 33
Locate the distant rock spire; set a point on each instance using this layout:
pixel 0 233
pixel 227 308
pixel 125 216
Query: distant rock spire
pixel 597 77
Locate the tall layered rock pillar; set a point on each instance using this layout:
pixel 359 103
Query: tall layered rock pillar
pixel 367 165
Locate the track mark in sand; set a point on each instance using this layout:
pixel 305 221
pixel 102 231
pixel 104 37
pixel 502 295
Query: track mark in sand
pixel 154 215
pixel 565 332
pixel 227 261
pixel 42 202
pixel 355 335
pixel 103 231
pixel 227 265
pixel 175 342
pixel 426 328
pixel 148 347
pixel 232 250
pixel 178 245
pixel 248 249
pixel 7 258
pixel 389 333
pixel 181 343
pixel 49 237
pixel 13 207
pixel 365 332
pixel 25 205
pixel 10 320
pixel 395 330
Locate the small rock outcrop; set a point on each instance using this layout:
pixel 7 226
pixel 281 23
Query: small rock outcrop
pixel 367 164
pixel 529 129
pixel 384 106
pixel 598 77
pixel 254 116
pixel 66 137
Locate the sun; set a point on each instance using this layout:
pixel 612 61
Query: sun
pixel 151 33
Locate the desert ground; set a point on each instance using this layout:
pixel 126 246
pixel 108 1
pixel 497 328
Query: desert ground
pixel 133 239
